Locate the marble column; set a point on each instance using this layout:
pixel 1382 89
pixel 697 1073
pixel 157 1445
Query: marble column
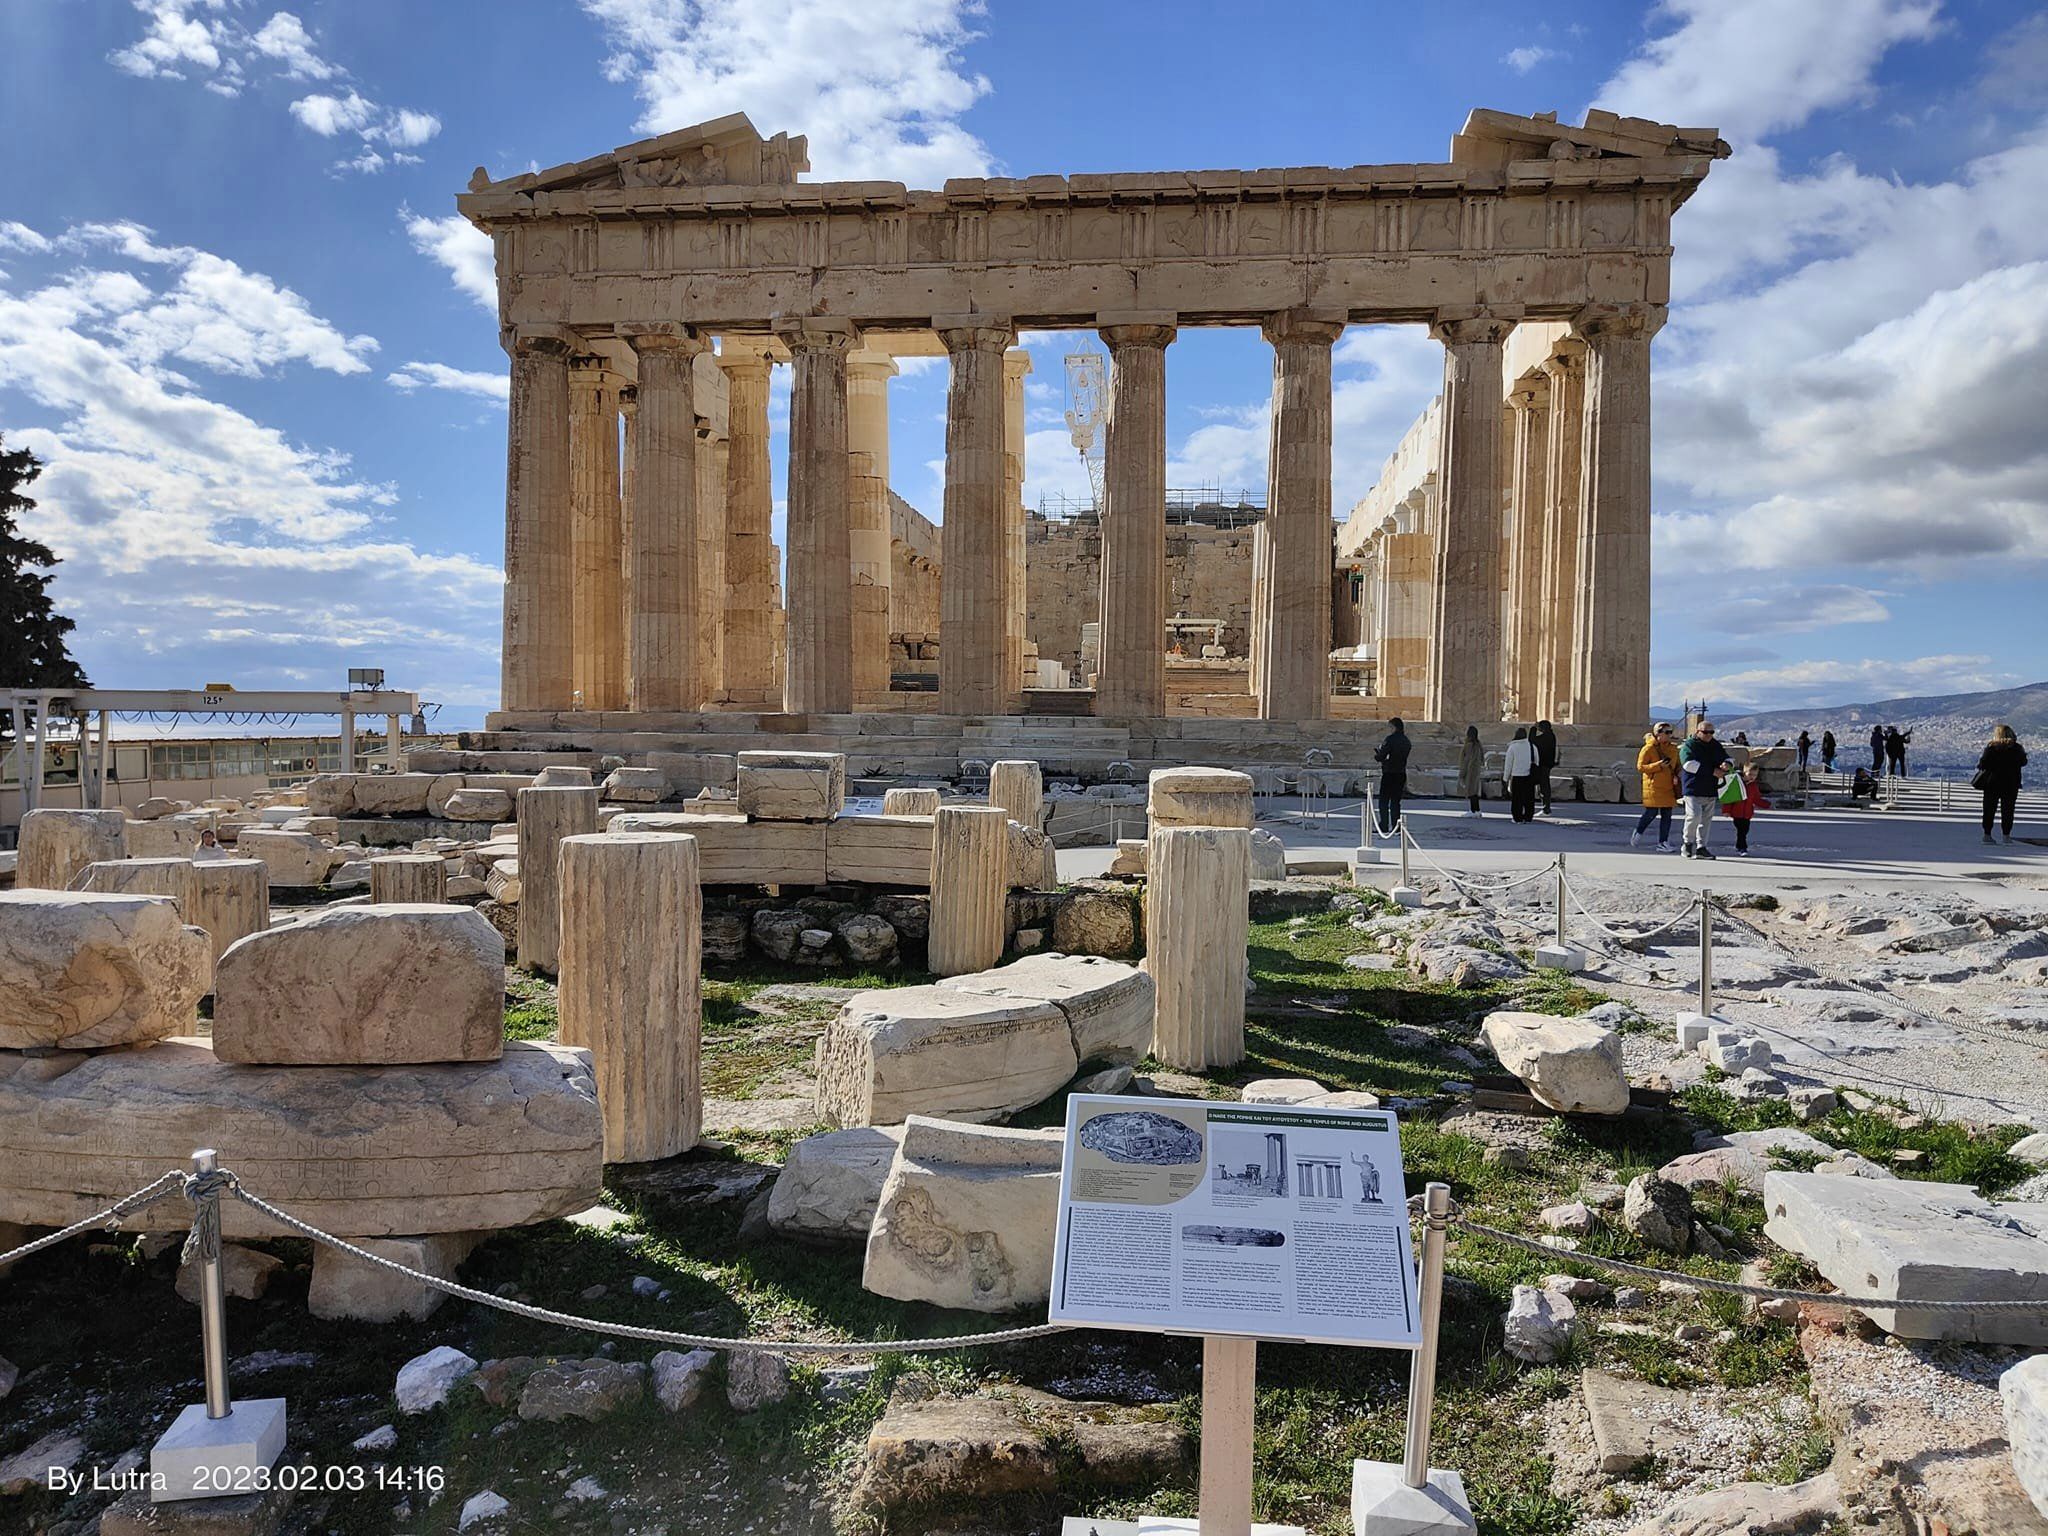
pixel 661 657
pixel 1411 579
pixel 600 603
pixel 538 671
pixel 974 583
pixel 1565 370
pixel 820 632
pixel 1291 563
pixel 1611 629
pixel 752 580
pixel 1528 510
pixel 1016 621
pixel 711 587
pixel 1130 678
pixel 1464 659
pixel 629 415
pixel 867 436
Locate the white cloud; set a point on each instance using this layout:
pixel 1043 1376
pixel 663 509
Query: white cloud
pixel 187 36
pixel 16 236
pixel 878 85
pixel 460 247
pixel 1522 60
pixel 193 532
pixel 412 376
pixel 1753 67
pixel 329 115
pixel 283 38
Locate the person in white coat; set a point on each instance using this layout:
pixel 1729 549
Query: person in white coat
pixel 1521 776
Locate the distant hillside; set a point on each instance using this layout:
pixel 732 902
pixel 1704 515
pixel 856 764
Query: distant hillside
pixel 1949 730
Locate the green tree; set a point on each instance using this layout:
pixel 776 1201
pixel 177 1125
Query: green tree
pixel 33 653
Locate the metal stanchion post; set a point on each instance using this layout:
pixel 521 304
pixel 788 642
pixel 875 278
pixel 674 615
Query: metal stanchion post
pixel 1706 955
pixel 1436 1205
pixel 1560 901
pixel 1401 832
pixel 213 1321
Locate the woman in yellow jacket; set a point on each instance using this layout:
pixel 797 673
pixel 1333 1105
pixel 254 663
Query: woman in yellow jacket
pixel 1658 764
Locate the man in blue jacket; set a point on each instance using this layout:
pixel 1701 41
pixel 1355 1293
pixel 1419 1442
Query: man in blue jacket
pixel 1702 764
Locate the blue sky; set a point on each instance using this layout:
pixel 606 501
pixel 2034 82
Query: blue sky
pixel 240 323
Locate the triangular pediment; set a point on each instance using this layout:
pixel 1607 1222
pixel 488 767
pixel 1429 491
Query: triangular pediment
pixel 726 151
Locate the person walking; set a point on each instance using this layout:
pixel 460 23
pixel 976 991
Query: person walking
pixel 1877 749
pixel 1999 769
pixel 1702 765
pixel 1544 740
pixel 1658 764
pixel 1827 751
pixel 1805 751
pixel 1741 811
pixel 1471 769
pixel 1392 756
pixel 1520 771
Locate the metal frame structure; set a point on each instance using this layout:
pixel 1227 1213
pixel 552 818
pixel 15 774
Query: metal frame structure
pixel 32 710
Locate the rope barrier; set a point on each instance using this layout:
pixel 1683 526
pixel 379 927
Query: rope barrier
pixel 107 1220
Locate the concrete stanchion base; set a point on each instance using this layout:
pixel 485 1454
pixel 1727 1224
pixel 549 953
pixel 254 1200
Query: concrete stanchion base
pixel 1369 856
pixel 1157 1525
pixel 1382 1504
pixel 1406 896
pixel 1691 1029
pixel 1560 957
pixel 202 1458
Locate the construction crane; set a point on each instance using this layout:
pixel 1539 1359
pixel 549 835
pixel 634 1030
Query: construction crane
pixel 1087 414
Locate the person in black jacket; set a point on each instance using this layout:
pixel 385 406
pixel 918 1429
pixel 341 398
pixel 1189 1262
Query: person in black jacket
pixel 1544 739
pixel 1827 751
pixel 1392 756
pixel 1998 775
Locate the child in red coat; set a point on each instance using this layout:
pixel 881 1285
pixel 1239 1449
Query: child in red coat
pixel 1740 811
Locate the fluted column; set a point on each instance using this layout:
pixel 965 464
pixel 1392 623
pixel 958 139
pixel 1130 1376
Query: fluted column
pixel 1016 624
pixel 629 414
pixel 1130 678
pixel 1528 508
pixel 537 669
pixel 975 563
pixel 1611 632
pixel 1292 653
pixel 867 436
pixel 711 587
pixel 661 661
pixel 1464 668
pixel 599 549
pixel 820 634
pixel 1565 370
pixel 751 607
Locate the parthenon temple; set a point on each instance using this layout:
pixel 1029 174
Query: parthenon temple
pixel 1499 570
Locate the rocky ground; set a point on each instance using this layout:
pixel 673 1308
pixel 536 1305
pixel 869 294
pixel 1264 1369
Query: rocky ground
pixel 1574 1402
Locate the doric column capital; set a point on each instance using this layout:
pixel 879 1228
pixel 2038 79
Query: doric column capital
pixel 1303 325
pixel 1136 333
pixel 975 333
pixel 1531 390
pixel 663 336
pixel 539 340
pixel 1467 327
pixel 1016 363
pixel 629 399
pixel 1620 322
pixel 816 333
pixel 868 364
pixel 587 370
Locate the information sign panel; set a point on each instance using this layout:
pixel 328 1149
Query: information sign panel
pixel 1268 1221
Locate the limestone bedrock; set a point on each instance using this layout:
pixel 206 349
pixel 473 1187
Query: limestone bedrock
pixel 360 986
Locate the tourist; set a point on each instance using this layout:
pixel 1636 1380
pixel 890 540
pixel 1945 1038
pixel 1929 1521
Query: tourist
pixel 1740 811
pixel 1805 751
pixel 1520 772
pixel 1392 756
pixel 1471 769
pixel 1544 740
pixel 1658 764
pixel 1702 765
pixel 1864 785
pixel 1998 773
pixel 1741 738
pixel 1895 741
pixel 1877 749
pixel 1827 751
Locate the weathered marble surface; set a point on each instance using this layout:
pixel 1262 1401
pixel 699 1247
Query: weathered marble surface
pixel 82 970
